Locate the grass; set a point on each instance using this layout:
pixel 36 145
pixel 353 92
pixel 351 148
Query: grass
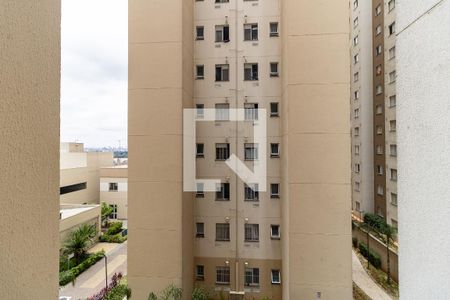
pixel 358 294
pixel 380 277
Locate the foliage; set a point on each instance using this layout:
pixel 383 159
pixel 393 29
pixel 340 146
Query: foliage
pixel 152 296
pixel 79 240
pixel 68 276
pixel 114 228
pixel 373 257
pixel 358 293
pixel 117 238
pixel 374 221
pixel 169 293
pixel 106 212
pixel 355 242
pixel 266 298
pixel 200 293
pixel 117 289
pixel 66 264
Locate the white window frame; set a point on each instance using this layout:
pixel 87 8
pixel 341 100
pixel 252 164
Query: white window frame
pixel 272 276
pixel 275 236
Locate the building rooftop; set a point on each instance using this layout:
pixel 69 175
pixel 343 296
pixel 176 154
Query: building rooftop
pixel 68 211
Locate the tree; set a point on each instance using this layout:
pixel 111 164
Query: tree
pixel 106 212
pixel 390 233
pixel 79 240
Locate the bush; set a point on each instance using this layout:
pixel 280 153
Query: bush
pixel 68 276
pixel 117 238
pixel 119 292
pixel 355 242
pixel 373 257
pixel 114 228
pixel 375 221
pixel 200 293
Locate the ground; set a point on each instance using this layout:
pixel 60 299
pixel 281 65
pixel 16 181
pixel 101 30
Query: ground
pixel 93 279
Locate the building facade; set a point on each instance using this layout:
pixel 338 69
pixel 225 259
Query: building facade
pixel 241 239
pixel 374 146
pixel 114 190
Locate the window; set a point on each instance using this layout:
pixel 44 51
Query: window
pixel 200 110
pixel 393 199
pixel 274 190
pixel 251 71
pixel 355 41
pixel 223 232
pixel 251 111
pixel 391 5
pixel 274 150
pixel 356 131
pixel 379 149
pixel 379 130
pixel 200 31
pixel 378 50
pixel 251 276
pixel 393 125
pixel 223 194
pixel 379 109
pixel 392 53
pixel 356 113
pixel 113 186
pixel 200 150
pixel 392 101
pixel 392 77
pixel 275 276
pixel 274 109
pixel 72 188
pixel 200 230
pixel 355 22
pixel 273 69
pixel 222 111
pixel 393 150
pixel 357 168
pixel 250 32
pixel 355 4
pixel 222 1
pixel 380 190
pixel 356 95
pixel 275 232
pixel 378 30
pixel 274 29
pixel 251 192
pixel 356 59
pixel 380 170
pixel 222 33
pixel 357 150
pixel 113 215
pixel 379 89
pixel 394 223
pixel 392 28
pixel 200 190
pixel 222 151
pixel 223 275
pixel 200 72
pixel 251 151
pixel 223 72
pixel 393 174
pixel 200 272
pixel 378 10
pixel 356 77
pixel 357 186
pixel 379 70
pixel 251 232
pixel 357 206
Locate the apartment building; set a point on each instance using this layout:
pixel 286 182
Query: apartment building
pixel 114 190
pixel 80 173
pixel 374 60
pixel 287 240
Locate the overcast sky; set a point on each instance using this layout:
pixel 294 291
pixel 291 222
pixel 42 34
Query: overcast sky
pixel 94 46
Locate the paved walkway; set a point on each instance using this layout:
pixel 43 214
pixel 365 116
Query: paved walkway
pixel 365 282
pixel 93 279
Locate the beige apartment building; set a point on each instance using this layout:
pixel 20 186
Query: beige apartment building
pixel 374 146
pixel 114 190
pixel 290 240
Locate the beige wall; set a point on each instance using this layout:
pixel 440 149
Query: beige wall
pixel 117 175
pixel 160 85
pixel 91 216
pixel 316 165
pixel 29 151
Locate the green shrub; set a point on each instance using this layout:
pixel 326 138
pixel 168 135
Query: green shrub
pixel 200 293
pixel 373 257
pixel 119 292
pixel 68 276
pixel 114 228
pixel 374 221
pixel 117 238
pixel 355 242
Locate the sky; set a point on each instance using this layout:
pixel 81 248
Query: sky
pixel 94 67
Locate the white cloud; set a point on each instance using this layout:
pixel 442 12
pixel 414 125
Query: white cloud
pixel 94 45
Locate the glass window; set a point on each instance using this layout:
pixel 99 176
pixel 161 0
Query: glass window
pixel 251 232
pixel 223 232
pixel 250 32
pixel 251 276
pixel 251 151
pixel 251 192
pixel 223 275
pixel 222 111
pixel 223 194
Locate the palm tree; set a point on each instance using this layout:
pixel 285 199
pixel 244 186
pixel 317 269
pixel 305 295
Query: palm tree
pixel 106 212
pixel 79 240
pixel 390 233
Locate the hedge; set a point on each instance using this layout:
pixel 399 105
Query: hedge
pixel 68 276
pixel 114 228
pixel 375 221
pixel 117 238
pixel 374 258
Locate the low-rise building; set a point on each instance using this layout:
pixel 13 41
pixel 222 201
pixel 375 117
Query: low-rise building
pixel 114 190
pixel 72 216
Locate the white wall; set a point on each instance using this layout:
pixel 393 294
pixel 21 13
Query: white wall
pixel 423 118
